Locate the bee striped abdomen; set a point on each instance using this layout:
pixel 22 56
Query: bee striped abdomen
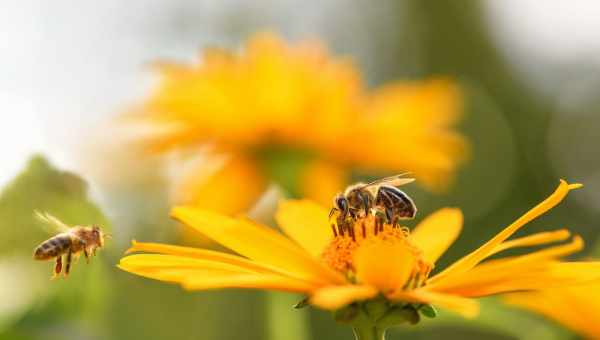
pixel 52 247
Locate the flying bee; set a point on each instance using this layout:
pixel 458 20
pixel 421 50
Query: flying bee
pixel 70 242
pixel 380 198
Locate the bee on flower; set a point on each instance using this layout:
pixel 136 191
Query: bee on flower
pixel 276 105
pixel 387 265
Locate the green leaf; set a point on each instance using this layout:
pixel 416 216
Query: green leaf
pixel 302 303
pixel 428 311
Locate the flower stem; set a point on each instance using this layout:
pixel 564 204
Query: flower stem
pixel 370 319
pixel 368 333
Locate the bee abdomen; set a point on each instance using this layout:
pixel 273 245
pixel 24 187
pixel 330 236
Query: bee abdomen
pixel 52 247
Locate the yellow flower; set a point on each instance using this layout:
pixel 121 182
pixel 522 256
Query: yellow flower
pixel 577 307
pixel 300 98
pixel 336 267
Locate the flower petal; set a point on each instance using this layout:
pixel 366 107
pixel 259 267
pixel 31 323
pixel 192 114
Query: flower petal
pixel 261 281
pixel 472 259
pixel 504 269
pixel 306 223
pixel 205 274
pixel 466 307
pixel 335 297
pixel 385 265
pixel 197 253
pixel 437 232
pixel 533 240
pixel 220 190
pixel 551 275
pixel 321 180
pixel 575 307
pixel 259 243
pixel 156 261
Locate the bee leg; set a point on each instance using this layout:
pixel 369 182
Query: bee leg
pixel 57 267
pixel 332 211
pixel 68 266
pixel 365 202
pixel 94 251
pixel 389 215
pixel 396 222
pixel 341 223
pixel 76 257
pixel 87 255
pixel 86 252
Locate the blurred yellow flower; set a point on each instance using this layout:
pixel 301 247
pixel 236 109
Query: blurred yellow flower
pixel 577 307
pixel 301 98
pixel 337 268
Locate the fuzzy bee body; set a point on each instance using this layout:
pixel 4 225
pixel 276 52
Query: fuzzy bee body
pixel 395 203
pixel 53 247
pixel 380 198
pixel 69 243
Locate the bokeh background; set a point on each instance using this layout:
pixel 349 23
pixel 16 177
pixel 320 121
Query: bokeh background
pixel 530 72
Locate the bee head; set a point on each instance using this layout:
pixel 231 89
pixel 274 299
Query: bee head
pixel 341 203
pixel 98 235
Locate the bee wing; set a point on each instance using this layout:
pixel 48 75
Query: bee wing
pixel 394 181
pixel 52 224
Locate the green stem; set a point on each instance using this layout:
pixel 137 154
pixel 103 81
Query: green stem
pixel 365 326
pixel 368 332
pixel 370 319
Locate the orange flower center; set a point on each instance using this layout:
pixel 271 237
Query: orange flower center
pixel 368 235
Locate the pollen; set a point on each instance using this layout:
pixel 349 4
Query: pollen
pixel 367 232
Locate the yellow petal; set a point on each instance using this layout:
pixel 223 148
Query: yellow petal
pixel 466 307
pixel 550 276
pixel 575 307
pixel 156 261
pixel 203 278
pixel 413 120
pixel 174 275
pixel 504 269
pixel 306 223
pixel 321 180
pixel 260 281
pixel 385 265
pixel 472 259
pixel 437 232
pixel 232 188
pixel 533 240
pixel 197 253
pixel 335 297
pixel 175 268
pixel 259 243
pixel 546 254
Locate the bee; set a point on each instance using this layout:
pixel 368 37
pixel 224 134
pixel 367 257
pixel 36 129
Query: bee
pixel 381 198
pixel 70 242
